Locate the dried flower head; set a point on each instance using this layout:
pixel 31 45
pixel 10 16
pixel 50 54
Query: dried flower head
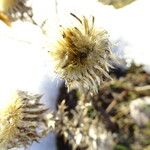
pixel 82 55
pixel 22 121
pixel 14 9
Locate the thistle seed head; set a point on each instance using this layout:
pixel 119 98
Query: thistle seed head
pixel 82 55
pixel 21 121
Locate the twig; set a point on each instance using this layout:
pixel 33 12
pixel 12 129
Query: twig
pixel 142 88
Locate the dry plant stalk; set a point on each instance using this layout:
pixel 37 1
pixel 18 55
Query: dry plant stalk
pixel 82 130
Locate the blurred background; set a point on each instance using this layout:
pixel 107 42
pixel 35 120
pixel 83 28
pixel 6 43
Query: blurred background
pixel 25 64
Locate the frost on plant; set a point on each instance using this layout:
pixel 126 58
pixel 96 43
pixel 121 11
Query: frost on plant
pixel 22 121
pixel 82 55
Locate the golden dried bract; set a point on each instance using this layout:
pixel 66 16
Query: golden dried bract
pixel 82 55
pixel 5 18
pixel 22 121
pixel 14 9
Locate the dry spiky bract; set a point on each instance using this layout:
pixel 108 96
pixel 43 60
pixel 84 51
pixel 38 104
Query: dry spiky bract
pixel 22 121
pixel 82 55
pixel 11 10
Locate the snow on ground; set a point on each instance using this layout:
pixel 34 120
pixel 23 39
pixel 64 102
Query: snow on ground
pixel 25 65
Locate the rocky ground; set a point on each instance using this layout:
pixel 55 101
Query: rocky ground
pixel 123 107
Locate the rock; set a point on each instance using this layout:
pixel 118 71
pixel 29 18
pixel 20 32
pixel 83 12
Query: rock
pixel 140 110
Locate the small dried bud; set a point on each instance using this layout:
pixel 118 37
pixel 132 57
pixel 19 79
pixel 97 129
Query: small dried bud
pixel 117 3
pixel 82 55
pixel 22 121
pixel 14 9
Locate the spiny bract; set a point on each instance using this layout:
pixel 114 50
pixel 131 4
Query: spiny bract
pixel 82 55
pixel 22 121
